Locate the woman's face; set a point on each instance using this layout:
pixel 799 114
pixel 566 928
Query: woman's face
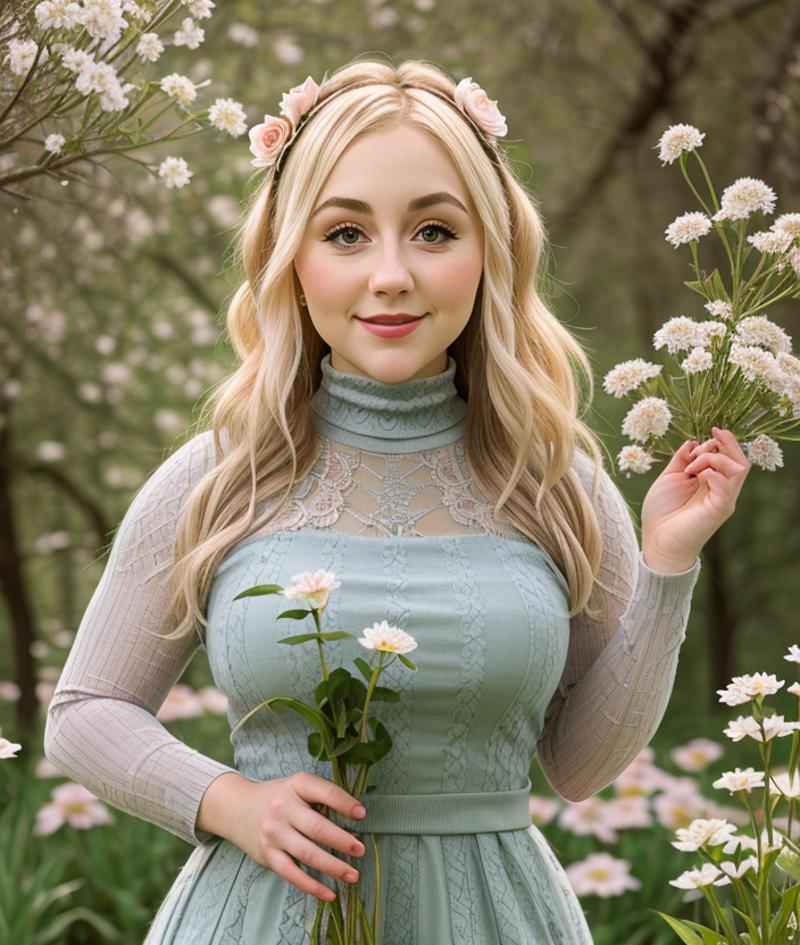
pixel 370 248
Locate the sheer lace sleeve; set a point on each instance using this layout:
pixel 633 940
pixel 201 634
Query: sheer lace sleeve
pixel 101 728
pixel 621 667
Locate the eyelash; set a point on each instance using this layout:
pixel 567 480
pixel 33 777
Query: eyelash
pixel 435 224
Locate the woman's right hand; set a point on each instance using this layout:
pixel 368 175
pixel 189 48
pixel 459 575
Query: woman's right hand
pixel 275 822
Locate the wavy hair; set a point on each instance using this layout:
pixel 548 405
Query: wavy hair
pixel 518 367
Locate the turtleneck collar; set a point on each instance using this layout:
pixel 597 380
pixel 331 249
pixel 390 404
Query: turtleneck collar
pixel 389 418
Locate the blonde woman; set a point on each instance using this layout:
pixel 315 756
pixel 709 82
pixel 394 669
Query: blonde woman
pixel 441 469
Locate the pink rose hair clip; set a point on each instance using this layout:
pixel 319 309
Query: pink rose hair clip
pixel 270 139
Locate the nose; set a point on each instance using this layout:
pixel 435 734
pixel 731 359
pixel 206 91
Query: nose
pixel 391 274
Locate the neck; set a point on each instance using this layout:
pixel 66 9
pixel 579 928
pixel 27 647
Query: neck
pixel 389 418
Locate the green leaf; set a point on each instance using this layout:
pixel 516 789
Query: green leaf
pixel 781 917
pixel 383 694
pixel 356 691
pixel 344 746
pixel 695 287
pixel 709 936
pixel 316 747
pixel 364 666
pixel 297 614
pixel 55 930
pixel 406 661
pixel 260 589
pixel 789 862
pixel 751 926
pixel 370 752
pixel 681 929
pixel 314 716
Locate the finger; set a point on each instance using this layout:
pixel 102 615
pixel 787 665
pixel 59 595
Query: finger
pixel 302 849
pixel 718 461
pixel 731 444
pixel 313 789
pixel 707 446
pixel 284 866
pixel 680 458
pixel 324 831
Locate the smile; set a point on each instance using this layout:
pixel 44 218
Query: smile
pixel 390 331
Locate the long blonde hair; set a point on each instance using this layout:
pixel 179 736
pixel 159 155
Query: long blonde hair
pixel 518 367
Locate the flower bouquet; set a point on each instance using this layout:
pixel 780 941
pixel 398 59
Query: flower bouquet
pixel 762 867
pixel 341 731
pixel 738 371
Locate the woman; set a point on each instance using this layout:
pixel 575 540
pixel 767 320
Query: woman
pixel 442 472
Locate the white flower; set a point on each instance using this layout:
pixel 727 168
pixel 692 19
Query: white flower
pixel 719 308
pixel 679 334
pixel 788 223
pixel 794 689
pixel 102 77
pixel 677 139
pixel 8 749
pixel 650 417
pixel 542 809
pixel 732 869
pixel 740 780
pixel 769 241
pixel 149 47
pixel 628 375
pixel 136 12
pixel 708 331
pixel 383 636
pixel 793 656
pixel 687 228
pixel 698 360
pixel 755 363
pixel 696 754
pixel 601 874
pixel 190 34
pixel 702 833
pixel 314 585
pixel 765 453
pixel 54 143
pixel 774 726
pixel 744 688
pixel 743 197
pixel 20 55
pixel 180 87
pixel 103 19
pixel 75 59
pixel 201 9
pixel 633 458
pixel 758 330
pixel 57 14
pixel 707 875
pixel 174 171
pixel 50 451
pixel 788 788
pixel 242 34
pixel 740 840
pixel 228 115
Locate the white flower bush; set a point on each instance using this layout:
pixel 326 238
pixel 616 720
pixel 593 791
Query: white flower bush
pixel 78 86
pixel 737 370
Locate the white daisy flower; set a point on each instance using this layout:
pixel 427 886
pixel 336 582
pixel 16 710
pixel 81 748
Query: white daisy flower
pixel 383 636
pixel 633 458
pixel 180 87
pixel 765 453
pixel 628 375
pixel 698 360
pixel 8 749
pixel 759 330
pixel 746 687
pixel 57 14
pixel 768 241
pixel 228 115
pixel 789 788
pixel 54 143
pixel 737 871
pixel 75 59
pixel 20 56
pixel 775 726
pixel 703 833
pixel 313 585
pixel 648 418
pixel 679 334
pixel 103 19
pixel 719 308
pixel 740 780
pixel 174 171
pixel 794 689
pixel 677 139
pixel 149 47
pixel 793 656
pixel 743 197
pixel 707 875
pixel 687 228
pixel 190 34
pixel 753 362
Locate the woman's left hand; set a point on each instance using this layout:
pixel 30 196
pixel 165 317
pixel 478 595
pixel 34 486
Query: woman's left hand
pixel 693 496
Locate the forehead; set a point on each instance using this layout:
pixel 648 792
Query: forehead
pixel 394 165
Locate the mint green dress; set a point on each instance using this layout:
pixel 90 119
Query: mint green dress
pixel 502 674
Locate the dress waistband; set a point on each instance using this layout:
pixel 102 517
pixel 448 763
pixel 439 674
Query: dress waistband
pixel 487 812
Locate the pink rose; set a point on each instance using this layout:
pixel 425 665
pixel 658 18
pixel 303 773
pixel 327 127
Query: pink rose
pixel 267 139
pixel 471 98
pixel 298 100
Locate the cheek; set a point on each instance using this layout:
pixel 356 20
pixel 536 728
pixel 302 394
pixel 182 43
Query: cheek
pixel 459 277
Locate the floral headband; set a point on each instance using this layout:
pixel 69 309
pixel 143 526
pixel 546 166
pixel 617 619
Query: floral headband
pixel 273 137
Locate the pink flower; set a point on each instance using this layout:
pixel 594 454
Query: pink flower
pixel 72 804
pixel 471 98
pixel 298 100
pixel 267 139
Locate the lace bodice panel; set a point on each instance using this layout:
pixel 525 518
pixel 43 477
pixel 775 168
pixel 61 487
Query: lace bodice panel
pixel 357 492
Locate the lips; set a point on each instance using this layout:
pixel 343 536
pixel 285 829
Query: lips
pixel 398 319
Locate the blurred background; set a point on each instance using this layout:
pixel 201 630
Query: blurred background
pixel 114 287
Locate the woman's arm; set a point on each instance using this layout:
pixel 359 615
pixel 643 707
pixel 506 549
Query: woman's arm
pixel 101 729
pixel 621 667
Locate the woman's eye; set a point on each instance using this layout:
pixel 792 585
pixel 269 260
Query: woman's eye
pixel 331 235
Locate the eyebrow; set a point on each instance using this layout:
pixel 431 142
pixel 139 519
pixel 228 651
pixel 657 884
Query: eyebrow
pixel 360 206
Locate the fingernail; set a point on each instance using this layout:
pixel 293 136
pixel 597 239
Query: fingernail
pixel 359 811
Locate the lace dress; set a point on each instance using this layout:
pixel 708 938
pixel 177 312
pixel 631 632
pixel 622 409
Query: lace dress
pixel 503 675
